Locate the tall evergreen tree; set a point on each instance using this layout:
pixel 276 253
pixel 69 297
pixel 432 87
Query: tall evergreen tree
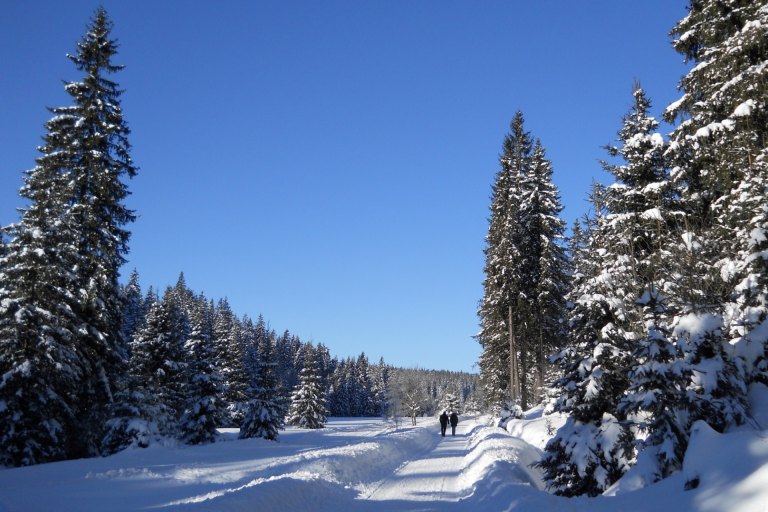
pixel 594 448
pixel 719 151
pixel 97 160
pixel 499 362
pixel 545 262
pixel 63 332
pixel 522 311
pixel 721 148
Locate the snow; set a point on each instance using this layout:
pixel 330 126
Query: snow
pixel 652 214
pixel 745 109
pixel 695 326
pixel 374 465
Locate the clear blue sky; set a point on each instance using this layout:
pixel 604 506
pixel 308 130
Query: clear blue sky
pixel 329 164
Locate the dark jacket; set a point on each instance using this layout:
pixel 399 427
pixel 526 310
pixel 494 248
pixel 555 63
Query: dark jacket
pixel 454 419
pixel 444 419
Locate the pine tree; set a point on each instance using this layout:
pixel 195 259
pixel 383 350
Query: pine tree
pixel 97 160
pixel 134 311
pixel 60 340
pixel 41 370
pixel 719 151
pixel 499 362
pixel 230 355
pixel 522 311
pixel 198 421
pixel 307 409
pixel 266 409
pixel 545 262
pixel 594 448
pixel 158 365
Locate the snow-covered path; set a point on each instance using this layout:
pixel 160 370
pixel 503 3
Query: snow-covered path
pixel 433 477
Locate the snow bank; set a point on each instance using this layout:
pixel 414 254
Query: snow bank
pixel 537 428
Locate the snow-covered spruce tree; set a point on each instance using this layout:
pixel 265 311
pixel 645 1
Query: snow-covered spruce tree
pixel 197 424
pixel 41 371
pixel 344 397
pixel 158 365
pixel 449 402
pixel 617 346
pixel 721 150
pixel 266 409
pixel 98 159
pixel 644 215
pixel 526 271
pixel 594 448
pixel 307 409
pixel 545 262
pixel 380 388
pixel 64 332
pixel 134 311
pixel 365 405
pixel 230 356
pixel 499 360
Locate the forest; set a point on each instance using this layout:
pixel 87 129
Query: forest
pixel 644 317
pixel 654 314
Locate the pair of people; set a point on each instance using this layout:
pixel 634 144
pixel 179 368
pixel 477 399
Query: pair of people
pixel 444 419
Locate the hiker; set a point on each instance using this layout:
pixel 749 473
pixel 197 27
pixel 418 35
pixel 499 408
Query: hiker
pixel 443 423
pixel 454 422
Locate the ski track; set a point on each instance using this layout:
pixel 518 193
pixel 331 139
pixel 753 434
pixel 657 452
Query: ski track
pixel 432 478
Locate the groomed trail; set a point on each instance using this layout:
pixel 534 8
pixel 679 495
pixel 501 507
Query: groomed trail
pixel 451 474
pixel 433 478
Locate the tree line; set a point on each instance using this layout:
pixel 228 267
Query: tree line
pixel 658 316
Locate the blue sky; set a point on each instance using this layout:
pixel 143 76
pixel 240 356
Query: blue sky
pixel 329 164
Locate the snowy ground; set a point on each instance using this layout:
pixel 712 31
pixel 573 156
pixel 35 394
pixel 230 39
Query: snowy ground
pixel 369 465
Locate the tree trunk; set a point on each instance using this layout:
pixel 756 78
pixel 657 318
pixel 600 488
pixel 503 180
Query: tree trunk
pixel 514 370
pixel 541 365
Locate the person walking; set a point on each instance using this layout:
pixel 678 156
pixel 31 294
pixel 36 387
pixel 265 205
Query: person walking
pixel 443 423
pixel 454 422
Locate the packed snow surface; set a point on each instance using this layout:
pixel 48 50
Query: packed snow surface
pixel 372 464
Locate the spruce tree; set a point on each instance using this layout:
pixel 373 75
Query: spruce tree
pixel 158 365
pixel 197 424
pixel 134 311
pixel 545 263
pixel 265 411
pixel 594 448
pixel 98 158
pixel 230 355
pixel 308 409
pixel 60 339
pixel 721 150
pixel 718 151
pixel 499 360
pixel 41 369
pixel 522 311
